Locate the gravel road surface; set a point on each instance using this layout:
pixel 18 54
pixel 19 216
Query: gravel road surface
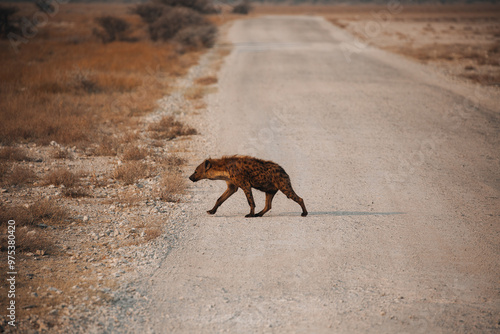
pixel 399 169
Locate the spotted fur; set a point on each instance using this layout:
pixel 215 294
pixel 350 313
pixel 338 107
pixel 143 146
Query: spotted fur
pixel 247 173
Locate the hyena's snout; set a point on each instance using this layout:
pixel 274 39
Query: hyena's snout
pixel 193 178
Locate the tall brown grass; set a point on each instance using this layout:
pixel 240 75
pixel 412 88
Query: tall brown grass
pixel 64 85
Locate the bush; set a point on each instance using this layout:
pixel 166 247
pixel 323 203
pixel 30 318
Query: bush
pixel 20 176
pixel 197 36
pixel 130 172
pixel 13 153
pixel 113 28
pixel 150 12
pixel 201 6
pixel 172 186
pixel 45 6
pixel 7 23
pixel 135 153
pixel 242 8
pixel 62 176
pixel 169 128
pixel 174 20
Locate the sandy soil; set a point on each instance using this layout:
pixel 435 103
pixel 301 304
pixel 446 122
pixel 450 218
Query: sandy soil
pixel 461 40
pixel 398 167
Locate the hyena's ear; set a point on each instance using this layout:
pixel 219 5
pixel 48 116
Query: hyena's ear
pixel 207 165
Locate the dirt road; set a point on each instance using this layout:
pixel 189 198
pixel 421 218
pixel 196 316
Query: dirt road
pixel 398 167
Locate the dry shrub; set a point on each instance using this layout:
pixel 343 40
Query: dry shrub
pixel 42 211
pixel 197 36
pixel 98 181
pixel 242 8
pixel 172 161
pixel 149 12
pixel 169 128
pixel 19 176
pixel 108 146
pixel 202 6
pixel 28 240
pixel 130 172
pixel 112 29
pixel 82 80
pixel 195 93
pixel 129 197
pixel 13 153
pixel 152 233
pixel 76 192
pixel 135 153
pixel 172 185
pixel 205 81
pixel 47 211
pixel 4 169
pixel 62 176
pixel 174 20
pixel 61 153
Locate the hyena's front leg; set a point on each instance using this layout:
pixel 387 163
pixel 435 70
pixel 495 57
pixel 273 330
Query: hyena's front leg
pixel 231 189
pixel 248 193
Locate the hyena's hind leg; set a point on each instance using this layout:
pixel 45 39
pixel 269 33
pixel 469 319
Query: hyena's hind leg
pixel 269 200
pixel 286 188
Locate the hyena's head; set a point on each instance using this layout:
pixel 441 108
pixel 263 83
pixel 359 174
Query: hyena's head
pixel 201 172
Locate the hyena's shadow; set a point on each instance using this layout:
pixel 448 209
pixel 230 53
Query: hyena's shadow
pixel 340 213
pixel 321 213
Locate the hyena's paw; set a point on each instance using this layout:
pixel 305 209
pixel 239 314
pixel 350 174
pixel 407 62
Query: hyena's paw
pixel 250 215
pixel 211 212
pixel 303 214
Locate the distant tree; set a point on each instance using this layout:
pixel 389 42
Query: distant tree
pixel 150 12
pixel 7 23
pixel 201 6
pixel 173 21
pixel 113 28
pixel 45 6
pixel 242 8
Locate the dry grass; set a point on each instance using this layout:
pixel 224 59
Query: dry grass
pixel 172 161
pixel 169 128
pixel 195 92
pixel 43 211
pixel 76 192
pixel 46 211
pixel 131 172
pixel 13 154
pixel 172 185
pixel 205 81
pixel 19 176
pixel 29 240
pixel 153 229
pixel 62 176
pixel 61 153
pixel 64 79
pixel 135 153
pixel 108 146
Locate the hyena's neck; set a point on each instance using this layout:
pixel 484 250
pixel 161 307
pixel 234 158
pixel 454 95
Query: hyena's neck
pixel 218 171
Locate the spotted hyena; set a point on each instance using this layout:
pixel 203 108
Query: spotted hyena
pixel 247 173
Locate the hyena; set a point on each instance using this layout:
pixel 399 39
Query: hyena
pixel 247 173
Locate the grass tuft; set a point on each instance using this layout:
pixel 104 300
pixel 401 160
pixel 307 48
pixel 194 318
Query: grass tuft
pixel 169 128
pixel 62 176
pixel 172 186
pixel 131 172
